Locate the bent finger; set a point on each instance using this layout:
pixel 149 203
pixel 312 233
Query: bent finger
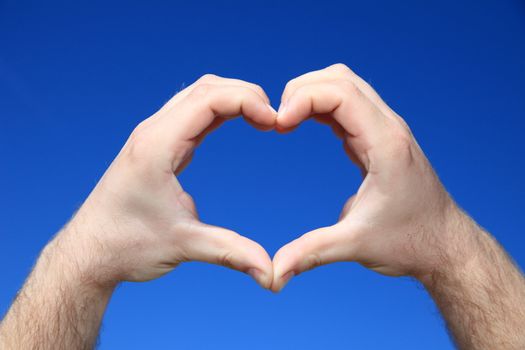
pixel 224 247
pixel 315 248
pixel 214 79
pixel 348 106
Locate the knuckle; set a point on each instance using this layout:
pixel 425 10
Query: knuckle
pixel 207 78
pixel 201 90
pixel 139 128
pixel 226 259
pixel 401 136
pixel 138 145
pixel 400 141
pixel 402 122
pixel 313 260
pixel 140 132
pixel 340 67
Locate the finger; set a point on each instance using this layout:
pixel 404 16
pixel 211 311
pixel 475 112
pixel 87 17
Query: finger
pixel 340 99
pixel 315 248
pixel 216 80
pixel 198 140
pixel 207 102
pixel 322 118
pixel 181 128
pixel 224 247
pixel 341 134
pixel 345 102
pixel 335 72
pixel 215 124
pixel 259 127
pixel 212 79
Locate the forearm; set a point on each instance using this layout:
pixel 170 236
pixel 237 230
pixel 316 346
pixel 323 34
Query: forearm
pixel 59 307
pixel 479 291
pixel 138 223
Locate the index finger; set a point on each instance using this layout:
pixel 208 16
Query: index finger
pixel 341 99
pixel 206 102
pixel 181 126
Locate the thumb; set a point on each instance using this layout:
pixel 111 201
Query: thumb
pixel 224 247
pixel 315 248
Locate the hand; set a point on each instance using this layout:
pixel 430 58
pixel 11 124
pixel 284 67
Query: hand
pixel 396 224
pixel 139 223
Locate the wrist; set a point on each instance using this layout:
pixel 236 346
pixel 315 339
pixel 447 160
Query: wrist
pixel 79 261
pixel 463 242
pixel 60 306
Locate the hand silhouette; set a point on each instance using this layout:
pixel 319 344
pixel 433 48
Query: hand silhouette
pixel 396 223
pixel 140 220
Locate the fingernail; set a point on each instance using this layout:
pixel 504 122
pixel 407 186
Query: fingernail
pixel 258 276
pixel 286 278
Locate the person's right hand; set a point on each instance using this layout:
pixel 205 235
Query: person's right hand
pixel 400 221
pixel 138 223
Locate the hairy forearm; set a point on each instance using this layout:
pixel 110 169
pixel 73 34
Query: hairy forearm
pixel 479 290
pixel 59 307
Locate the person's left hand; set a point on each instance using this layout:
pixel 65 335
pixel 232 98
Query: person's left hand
pixel 401 221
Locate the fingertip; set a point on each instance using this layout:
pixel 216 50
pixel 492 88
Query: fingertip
pixel 224 247
pixel 281 282
pixel 290 115
pixel 284 122
pixel 260 127
pixel 274 112
pixel 274 118
pixel 263 117
pixel 309 251
pixel 281 115
pixel 261 269
pixel 283 269
pixel 282 108
pixel 262 278
pixel 286 278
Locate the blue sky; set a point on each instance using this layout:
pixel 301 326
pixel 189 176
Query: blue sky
pixel 76 77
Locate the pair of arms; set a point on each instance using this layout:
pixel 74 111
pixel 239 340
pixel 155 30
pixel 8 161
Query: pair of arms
pixel 139 224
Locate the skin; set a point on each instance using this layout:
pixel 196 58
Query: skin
pixel 401 221
pixel 138 223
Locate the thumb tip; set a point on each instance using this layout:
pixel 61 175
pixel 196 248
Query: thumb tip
pixel 262 278
pixel 282 282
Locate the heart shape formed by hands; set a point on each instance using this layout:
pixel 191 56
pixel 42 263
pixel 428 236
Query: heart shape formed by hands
pixel 141 208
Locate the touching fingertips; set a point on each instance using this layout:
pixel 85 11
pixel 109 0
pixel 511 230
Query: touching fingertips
pixel 274 116
pixel 272 109
pixel 282 108
pixel 260 277
pixel 286 278
pixel 283 281
pixel 282 123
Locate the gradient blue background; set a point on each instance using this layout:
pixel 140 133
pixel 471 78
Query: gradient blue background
pixel 76 77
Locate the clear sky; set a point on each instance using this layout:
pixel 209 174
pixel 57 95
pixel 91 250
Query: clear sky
pixel 77 76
